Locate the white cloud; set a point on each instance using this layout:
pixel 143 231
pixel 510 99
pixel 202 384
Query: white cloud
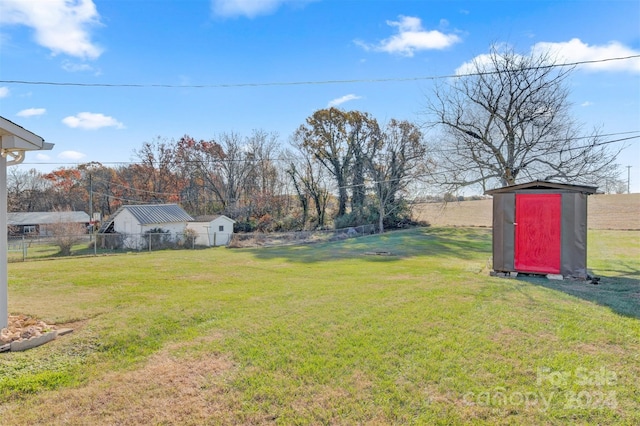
pixel 482 61
pixel 4 92
pixel 411 37
pixel 576 50
pixel 31 112
pixel 42 157
pixel 91 121
pixel 71 155
pixel 250 8
pixel 343 99
pixel 569 52
pixel 78 67
pixel 63 26
pixel 586 104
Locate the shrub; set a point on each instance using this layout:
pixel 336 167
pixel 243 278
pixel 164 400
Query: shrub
pixel 244 226
pixel 188 238
pixel 111 241
pixel 158 238
pixel 345 221
pixel 66 234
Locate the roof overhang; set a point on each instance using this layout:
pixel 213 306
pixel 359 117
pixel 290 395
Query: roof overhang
pixel 544 185
pixel 16 141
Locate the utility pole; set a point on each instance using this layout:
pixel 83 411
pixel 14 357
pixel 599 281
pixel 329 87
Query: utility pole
pixel 628 179
pixel 90 198
pixel 91 207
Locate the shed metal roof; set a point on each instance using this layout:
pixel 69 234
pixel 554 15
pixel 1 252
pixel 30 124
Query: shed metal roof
pixel 211 218
pixel 542 184
pixel 148 214
pixel 44 218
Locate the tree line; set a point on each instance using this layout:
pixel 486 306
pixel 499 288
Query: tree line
pixel 506 121
pixel 252 179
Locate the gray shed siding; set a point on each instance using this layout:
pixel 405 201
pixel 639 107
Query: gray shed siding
pixel 573 250
pixel 503 231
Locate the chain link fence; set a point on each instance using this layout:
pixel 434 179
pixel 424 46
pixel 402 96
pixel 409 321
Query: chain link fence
pixel 22 248
pixel 259 239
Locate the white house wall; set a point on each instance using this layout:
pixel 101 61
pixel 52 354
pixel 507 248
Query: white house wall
pixel 126 223
pixel 218 237
pixel 209 234
pixel 202 231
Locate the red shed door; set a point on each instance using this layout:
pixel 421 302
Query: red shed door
pixel 537 228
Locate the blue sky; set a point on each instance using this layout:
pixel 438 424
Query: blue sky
pixel 269 64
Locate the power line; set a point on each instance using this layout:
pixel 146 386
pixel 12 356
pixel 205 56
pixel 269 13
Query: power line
pixel 246 160
pixel 571 148
pixel 368 183
pixel 306 83
pixel 115 197
pixel 130 188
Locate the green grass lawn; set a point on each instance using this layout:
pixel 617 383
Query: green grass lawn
pixel 328 334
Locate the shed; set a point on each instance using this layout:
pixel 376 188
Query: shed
pixel 133 221
pixel 540 227
pixel 214 230
pixel 138 219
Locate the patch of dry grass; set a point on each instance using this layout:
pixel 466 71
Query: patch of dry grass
pixel 175 390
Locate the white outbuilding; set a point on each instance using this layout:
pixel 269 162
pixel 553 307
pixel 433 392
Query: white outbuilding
pixel 134 221
pixel 212 231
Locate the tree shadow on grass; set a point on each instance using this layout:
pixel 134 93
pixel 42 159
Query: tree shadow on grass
pixel 619 293
pixel 463 243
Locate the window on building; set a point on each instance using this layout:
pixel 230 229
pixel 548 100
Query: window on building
pixel 29 229
pixel 221 228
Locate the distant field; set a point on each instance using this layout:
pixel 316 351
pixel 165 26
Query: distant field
pixel 606 211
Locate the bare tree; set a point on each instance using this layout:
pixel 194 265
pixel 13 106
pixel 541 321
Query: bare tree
pixel 309 183
pixel 155 178
pixel 27 190
pixel 202 162
pixel 303 195
pixel 391 168
pixel 240 172
pixel 264 185
pixel 507 120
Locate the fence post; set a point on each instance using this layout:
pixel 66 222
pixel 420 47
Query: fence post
pixel 150 238
pixel 24 250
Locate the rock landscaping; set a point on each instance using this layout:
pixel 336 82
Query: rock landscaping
pixel 23 332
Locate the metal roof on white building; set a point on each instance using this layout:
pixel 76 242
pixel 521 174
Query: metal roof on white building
pixel 148 214
pixel 45 218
